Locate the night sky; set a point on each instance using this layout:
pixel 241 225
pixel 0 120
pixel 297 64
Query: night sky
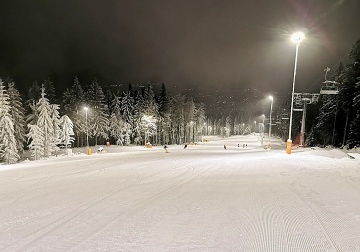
pixel 199 44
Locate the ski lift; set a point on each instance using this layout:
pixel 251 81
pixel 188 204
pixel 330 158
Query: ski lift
pixel 329 87
pixel 284 116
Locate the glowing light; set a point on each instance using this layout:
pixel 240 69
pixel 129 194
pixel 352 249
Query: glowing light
pixel 298 37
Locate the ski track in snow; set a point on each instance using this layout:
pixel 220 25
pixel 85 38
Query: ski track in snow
pixel 203 198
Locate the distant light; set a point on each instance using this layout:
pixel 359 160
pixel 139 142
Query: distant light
pixel 263 115
pixel 271 98
pixel 86 108
pixel 297 37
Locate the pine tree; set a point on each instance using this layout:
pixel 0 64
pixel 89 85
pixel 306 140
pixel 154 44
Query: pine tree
pixel 127 108
pixel 348 91
pixel 99 121
pixel 128 111
pixel 35 142
pixel 9 151
pixel 46 124
pixel 164 122
pixel 118 127
pixel 33 114
pixel 74 103
pixel 200 117
pixel 34 92
pixel 324 127
pixel 18 114
pixel 55 117
pixel 66 127
pixel 179 129
pixel 49 90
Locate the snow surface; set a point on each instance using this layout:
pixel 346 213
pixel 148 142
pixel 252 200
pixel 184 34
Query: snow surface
pixel 203 198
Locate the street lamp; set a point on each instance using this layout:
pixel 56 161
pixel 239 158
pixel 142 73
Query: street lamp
pixel 297 38
pixel 202 138
pixel 87 135
pixel 192 128
pixel 263 130
pixel 271 105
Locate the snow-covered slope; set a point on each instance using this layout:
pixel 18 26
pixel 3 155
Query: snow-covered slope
pixel 202 198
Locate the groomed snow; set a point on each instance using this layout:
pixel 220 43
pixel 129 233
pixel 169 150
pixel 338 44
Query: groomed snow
pixel 203 198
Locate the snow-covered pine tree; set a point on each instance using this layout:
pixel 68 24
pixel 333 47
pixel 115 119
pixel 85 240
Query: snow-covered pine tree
pixel 324 127
pixel 354 133
pixel 347 91
pixel 200 119
pixel 74 100
pixel 117 125
pixel 34 92
pixel 56 125
pixel 188 114
pixel 9 151
pixel 49 90
pixel 98 122
pixel 18 114
pixel 46 124
pixel 165 109
pixel 148 107
pixel 67 132
pixel 178 119
pixel 127 110
pixel 35 142
pixel 33 114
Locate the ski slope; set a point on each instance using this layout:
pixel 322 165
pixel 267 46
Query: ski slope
pixel 203 198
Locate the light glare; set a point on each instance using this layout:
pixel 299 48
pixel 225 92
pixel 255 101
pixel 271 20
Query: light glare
pixel 297 37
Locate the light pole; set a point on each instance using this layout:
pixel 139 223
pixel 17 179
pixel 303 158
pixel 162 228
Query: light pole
pixel 262 133
pixel 202 138
pixel 192 128
pixel 297 38
pixel 271 105
pixel 87 135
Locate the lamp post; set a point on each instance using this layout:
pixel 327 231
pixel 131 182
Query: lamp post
pixel 87 135
pixel 297 38
pixel 202 137
pixel 262 133
pixel 192 128
pixel 271 105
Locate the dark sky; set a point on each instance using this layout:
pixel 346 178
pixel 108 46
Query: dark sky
pixel 191 43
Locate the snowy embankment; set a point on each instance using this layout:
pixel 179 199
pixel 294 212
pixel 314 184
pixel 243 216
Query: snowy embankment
pixel 202 198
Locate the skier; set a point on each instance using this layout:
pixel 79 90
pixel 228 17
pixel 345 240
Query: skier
pixel 185 146
pixel 165 149
pixel 224 146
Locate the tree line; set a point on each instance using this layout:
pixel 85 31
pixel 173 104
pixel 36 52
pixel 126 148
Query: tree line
pixel 337 120
pixel 122 117
pixel 140 116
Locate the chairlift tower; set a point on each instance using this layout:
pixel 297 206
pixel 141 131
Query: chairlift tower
pixel 300 103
